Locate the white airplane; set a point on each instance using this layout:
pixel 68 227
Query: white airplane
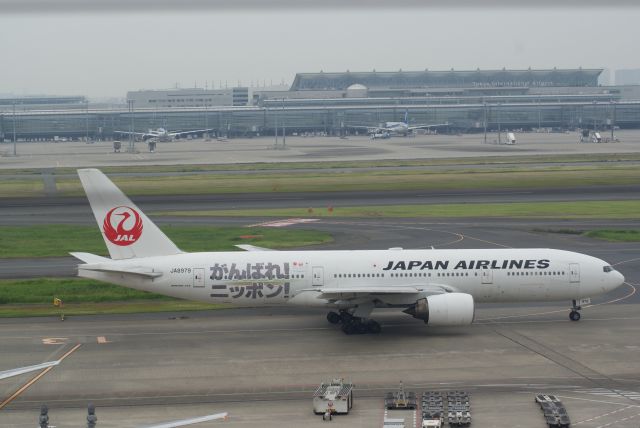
pixel 162 134
pixel 396 128
pixel 440 287
pixel 22 370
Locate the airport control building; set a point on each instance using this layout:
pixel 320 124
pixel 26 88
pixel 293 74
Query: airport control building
pixel 340 103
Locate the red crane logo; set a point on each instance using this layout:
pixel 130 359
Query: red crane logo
pixel 127 230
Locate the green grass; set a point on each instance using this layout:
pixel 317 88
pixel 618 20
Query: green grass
pixel 21 188
pixel 499 176
pixel 34 297
pixel 615 235
pixel 557 210
pixel 70 290
pixel 266 166
pixel 59 240
pixel 368 181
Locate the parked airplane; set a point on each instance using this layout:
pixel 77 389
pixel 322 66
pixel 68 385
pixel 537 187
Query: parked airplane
pixel 162 134
pixel 440 287
pixel 396 128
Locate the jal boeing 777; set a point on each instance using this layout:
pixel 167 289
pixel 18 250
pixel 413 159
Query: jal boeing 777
pixel 439 287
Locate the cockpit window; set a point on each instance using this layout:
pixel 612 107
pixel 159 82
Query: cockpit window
pixel 607 269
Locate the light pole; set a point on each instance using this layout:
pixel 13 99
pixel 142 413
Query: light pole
pixel 498 117
pixel 484 104
pixel 613 117
pixel 284 133
pixel 86 122
pixel 276 125
pixel 15 153
pixel 132 127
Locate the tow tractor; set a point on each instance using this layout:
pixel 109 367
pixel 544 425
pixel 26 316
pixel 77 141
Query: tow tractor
pixel 331 398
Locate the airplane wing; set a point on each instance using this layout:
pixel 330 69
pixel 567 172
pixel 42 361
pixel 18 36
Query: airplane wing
pixel 193 131
pixel 142 135
pixel 350 293
pixel 184 422
pixel 433 125
pixel 369 128
pixel 248 247
pixel 16 372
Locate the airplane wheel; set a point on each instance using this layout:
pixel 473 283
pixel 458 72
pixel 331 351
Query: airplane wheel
pixel 345 317
pixel 373 327
pixel 349 328
pixel 333 318
pixel 574 316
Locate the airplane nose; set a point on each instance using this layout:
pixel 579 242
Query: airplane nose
pixel 618 280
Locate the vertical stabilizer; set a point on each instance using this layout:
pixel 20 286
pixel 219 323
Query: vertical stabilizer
pixel 126 230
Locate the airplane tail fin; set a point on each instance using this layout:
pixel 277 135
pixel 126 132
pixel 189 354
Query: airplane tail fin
pixel 126 230
pixel 406 117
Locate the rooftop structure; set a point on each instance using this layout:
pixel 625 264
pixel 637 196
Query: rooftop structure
pixel 446 79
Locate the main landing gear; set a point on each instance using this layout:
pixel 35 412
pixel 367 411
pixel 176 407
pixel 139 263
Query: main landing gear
pixel 574 315
pixel 352 324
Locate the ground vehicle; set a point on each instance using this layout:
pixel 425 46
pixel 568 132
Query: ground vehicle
pixel 335 397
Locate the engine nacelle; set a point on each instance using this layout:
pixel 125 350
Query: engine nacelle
pixel 447 309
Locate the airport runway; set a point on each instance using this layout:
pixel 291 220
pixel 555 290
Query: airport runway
pixel 262 365
pixel 306 149
pixel 74 209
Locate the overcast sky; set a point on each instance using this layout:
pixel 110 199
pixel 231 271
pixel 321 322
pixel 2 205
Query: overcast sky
pixel 107 54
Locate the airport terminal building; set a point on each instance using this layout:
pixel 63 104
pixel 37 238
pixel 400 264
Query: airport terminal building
pixel 340 103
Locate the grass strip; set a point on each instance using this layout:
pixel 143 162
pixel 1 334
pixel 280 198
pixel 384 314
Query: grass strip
pixel 70 290
pixel 266 166
pixel 508 176
pixel 59 240
pixel 367 181
pixel 81 296
pixel 16 311
pixel 614 235
pixel 627 209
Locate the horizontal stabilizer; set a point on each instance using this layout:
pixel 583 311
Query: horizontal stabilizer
pixel 22 370
pixel 90 258
pixel 248 247
pixel 131 270
pixel 185 422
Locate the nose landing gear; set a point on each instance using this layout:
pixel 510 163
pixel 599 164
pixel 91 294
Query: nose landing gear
pixel 574 315
pixel 352 324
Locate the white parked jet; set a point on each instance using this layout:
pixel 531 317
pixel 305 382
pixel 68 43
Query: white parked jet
pixel 440 287
pixel 396 128
pixel 162 134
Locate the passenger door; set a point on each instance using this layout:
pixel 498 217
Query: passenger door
pixel 198 277
pixel 574 272
pixel 317 276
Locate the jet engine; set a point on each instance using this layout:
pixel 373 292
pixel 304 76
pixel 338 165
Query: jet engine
pixel 446 309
